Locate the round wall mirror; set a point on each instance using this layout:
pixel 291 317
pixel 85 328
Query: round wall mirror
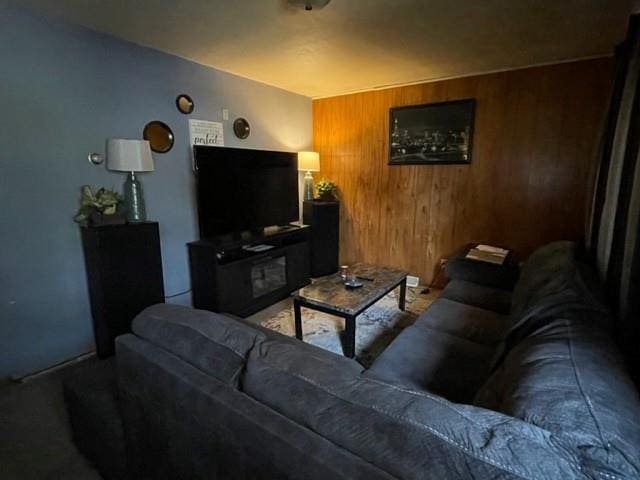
pixel 95 158
pixel 159 135
pixel 185 103
pixel 241 128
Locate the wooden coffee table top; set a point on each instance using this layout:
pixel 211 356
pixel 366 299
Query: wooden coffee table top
pixel 330 293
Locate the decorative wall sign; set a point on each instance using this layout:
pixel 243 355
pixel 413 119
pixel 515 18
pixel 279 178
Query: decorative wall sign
pixel 203 132
pixel 431 134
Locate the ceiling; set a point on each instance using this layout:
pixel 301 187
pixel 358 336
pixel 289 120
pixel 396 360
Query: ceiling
pixel 353 45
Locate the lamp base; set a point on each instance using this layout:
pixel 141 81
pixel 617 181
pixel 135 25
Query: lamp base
pixel 134 199
pixel 308 186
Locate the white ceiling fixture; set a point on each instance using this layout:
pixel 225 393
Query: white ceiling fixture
pixel 353 45
pixel 309 4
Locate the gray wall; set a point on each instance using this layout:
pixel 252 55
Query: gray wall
pixel 63 91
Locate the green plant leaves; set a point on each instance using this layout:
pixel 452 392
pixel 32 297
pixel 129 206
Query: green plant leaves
pixel 105 201
pixel 325 186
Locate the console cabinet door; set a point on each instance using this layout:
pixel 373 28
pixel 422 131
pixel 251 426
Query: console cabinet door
pixel 225 282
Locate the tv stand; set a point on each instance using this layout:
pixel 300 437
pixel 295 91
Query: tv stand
pixel 228 277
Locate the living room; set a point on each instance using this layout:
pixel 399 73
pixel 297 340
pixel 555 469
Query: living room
pixel 547 86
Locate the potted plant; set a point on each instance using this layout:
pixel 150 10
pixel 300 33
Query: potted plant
pixel 103 208
pixel 327 190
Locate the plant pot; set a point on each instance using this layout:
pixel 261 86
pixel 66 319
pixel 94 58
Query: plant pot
pixel 97 219
pixel 327 197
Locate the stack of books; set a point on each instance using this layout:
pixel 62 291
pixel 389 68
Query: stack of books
pixel 487 253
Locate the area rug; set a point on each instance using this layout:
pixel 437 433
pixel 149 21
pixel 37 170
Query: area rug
pixel 376 327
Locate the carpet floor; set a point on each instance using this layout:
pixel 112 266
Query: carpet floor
pixel 376 327
pixel 35 435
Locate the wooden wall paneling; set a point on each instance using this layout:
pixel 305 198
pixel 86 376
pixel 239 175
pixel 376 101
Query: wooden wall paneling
pixel 513 223
pixel 359 163
pixel 535 135
pixel 456 177
pixel 544 181
pixel 479 207
pixel 560 163
pixel 412 251
pixel 404 247
pixel 367 208
pixel 425 225
pixel 372 176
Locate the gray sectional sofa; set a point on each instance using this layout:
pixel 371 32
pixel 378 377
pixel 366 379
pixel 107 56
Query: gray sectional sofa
pixel 488 383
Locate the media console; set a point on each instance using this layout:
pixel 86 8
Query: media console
pixel 248 272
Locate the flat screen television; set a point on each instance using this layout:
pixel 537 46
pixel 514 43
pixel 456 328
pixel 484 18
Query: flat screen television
pixel 244 190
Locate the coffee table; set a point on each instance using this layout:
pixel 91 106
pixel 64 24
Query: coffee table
pixel 329 295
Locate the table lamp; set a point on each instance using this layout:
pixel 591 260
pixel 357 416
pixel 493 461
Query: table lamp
pixel 308 162
pixel 131 156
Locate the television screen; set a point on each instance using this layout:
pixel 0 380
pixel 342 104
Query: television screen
pixel 240 190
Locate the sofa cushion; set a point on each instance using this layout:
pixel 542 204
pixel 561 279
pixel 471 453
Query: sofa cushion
pixel 321 365
pixel 546 265
pixel 481 296
pixel 182 424
pixel 426 359
pixel 567 378
pixel 554 276
pixel 209 341
pixel 553 284
pixel 408 434
pixel 465 321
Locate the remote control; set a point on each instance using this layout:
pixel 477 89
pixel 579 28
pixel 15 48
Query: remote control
pixel 368 279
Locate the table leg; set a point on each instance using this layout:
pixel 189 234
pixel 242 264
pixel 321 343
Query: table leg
pixel 403 294
pixel 297 315
pixel 350 327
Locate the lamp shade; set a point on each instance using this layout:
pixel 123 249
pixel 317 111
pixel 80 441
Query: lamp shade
pixel 129 155
pixel 309 161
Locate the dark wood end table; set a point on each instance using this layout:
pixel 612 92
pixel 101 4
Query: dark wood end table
pixel 329 295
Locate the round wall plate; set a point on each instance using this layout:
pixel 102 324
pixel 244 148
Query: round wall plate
pixel 241 128
pixel 184 103
pixel 159 135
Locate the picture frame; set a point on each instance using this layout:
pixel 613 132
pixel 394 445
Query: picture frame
pixel 432 133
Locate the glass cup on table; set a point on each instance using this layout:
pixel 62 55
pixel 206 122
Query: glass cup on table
pixel 344 272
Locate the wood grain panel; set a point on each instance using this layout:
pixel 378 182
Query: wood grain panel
pixel 536 132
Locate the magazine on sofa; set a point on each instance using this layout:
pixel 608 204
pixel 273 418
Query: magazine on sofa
pixel 488 253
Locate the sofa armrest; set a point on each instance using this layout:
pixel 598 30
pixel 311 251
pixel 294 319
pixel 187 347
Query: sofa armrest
pixel 504 277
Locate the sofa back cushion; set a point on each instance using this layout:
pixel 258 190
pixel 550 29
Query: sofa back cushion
pixel 409 434
pixel 553 284
pixel 546 264
pixel 567 378
pixel 553 277
pixel 211 342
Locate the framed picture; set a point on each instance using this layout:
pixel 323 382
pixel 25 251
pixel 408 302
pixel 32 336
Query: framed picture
pixel 434 133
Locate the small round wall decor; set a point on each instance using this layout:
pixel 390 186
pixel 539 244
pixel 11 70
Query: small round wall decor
pixel 185 103
pixel 241 128
pixel 159 135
